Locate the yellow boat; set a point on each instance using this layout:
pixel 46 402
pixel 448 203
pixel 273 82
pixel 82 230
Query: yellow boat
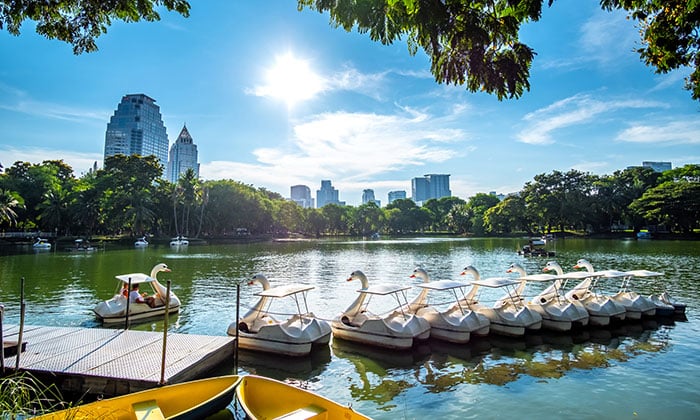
pixel 265 398
pixel 188 400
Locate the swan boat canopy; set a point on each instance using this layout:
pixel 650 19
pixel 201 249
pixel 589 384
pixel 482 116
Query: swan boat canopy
pixel 457 322
pixel 557 312
pixel 259 330
pixel 114 309
pixel 508 316
pixel 396 330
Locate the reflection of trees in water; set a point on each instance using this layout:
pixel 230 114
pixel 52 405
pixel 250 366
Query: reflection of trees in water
pixel 438 366
pixel 374 366
pixel 552 358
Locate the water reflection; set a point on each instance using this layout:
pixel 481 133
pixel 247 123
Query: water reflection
pixel 441 367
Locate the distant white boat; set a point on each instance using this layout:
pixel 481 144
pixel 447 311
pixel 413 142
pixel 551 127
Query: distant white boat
pixel 41 244
pixel 141 242
pixel 179 241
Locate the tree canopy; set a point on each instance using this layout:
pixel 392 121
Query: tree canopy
pixel 471 43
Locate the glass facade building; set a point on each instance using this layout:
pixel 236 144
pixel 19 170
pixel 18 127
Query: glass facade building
pixel 136 128
pixel 327 194
pixel 430 186
pixel 183 156
pixel 301 194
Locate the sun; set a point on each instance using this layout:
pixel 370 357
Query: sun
pixel 292 80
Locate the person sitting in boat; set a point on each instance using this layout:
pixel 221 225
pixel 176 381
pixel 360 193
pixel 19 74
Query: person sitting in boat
pixel 136 297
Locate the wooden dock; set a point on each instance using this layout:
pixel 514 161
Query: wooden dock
pixel 110 362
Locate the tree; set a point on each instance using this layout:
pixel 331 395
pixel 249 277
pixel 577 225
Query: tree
pixel 80 22
pixel 476 43
pixel 9 201
pixel 508 216
pixel 674 202
pixel 477 207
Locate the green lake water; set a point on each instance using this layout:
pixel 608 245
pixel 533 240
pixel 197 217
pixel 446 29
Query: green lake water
pixel 645 370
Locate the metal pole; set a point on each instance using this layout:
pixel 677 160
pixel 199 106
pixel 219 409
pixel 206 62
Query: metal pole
pixel 128 300
pixel 238 304
pixel 21 322
pixel 2 339
pixel 165 334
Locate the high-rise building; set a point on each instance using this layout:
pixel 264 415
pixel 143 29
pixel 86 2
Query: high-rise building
pixel 657 166
pixel 396 195
pixel 136 128
pixel 368 196
pixel 327 195
pixel 430 186
pixel 301 194
pixel 183 156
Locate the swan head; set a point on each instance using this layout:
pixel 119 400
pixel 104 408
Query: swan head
pixel 553 266
pixel 421 274
pixel 158 268
pixel 471 270
pixel 516 268
pixel 583 263
pixel 359 275
pixel 259 278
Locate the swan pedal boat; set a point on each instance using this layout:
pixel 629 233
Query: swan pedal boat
pixel 635 304
pixel 665 305
pixel 114 309
pixel 602 310
pixel 188 400
pixel 397 330
pixel 508 316
pixel 265 398
pixel 455 324
pixel 258 330
pixel 141 242
pixel 557 312
pixel 41 244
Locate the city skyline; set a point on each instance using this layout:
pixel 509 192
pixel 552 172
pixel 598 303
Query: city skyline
pixel 329 104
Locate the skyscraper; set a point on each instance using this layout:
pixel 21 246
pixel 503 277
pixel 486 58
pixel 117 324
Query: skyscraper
pixel 327 194
pixel 430 186
pixel 183 156
pixel 368 196
pixel 136 128
pixel 301 194
pixel 657 166
pixel 396 195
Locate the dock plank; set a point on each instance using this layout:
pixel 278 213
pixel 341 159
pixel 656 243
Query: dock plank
pixel 110 362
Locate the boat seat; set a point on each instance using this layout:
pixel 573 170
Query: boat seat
pixel 148 410
pixel 305 413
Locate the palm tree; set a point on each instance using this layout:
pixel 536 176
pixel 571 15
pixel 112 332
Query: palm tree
pixel 9 201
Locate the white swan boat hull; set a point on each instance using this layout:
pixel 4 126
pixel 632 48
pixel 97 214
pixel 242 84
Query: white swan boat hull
pixel 396 331
pixel 114 310
pixel 635 305
pixel 509 320
pixel 454 325
pixel 558 316
pixel 294 337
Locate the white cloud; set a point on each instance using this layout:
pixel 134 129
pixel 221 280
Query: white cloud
pixel 675 132
pixel 351 149
pixel 575 110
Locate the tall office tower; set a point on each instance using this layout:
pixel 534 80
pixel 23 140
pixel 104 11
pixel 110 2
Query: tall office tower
pixel 136 128
pixel 657 166
pixel 368 196
pixel 396 195
pixel 183 156
pixel 430 186
pixel 326 195
pixel 301 194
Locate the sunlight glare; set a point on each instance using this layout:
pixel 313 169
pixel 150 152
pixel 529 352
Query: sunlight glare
pixel 292 80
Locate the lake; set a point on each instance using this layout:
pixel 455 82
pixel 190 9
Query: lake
pixel 646 369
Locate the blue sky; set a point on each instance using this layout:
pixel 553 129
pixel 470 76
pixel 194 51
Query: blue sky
pixel 275 97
